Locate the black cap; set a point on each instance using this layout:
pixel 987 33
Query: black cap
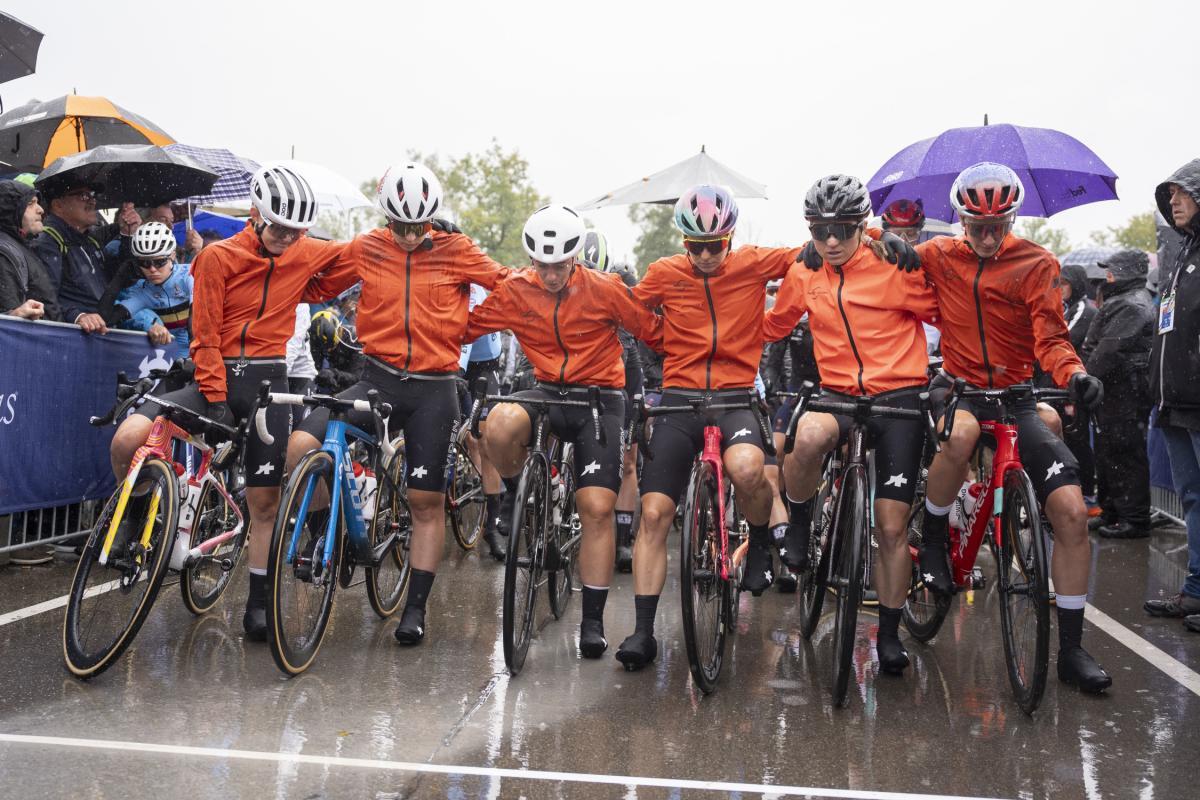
pixel 1127 264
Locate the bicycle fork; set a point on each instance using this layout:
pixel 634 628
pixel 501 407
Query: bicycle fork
pixel 712 454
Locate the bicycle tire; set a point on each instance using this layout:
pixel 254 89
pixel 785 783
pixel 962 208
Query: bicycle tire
pixel 388 581
pixel 1024 591
pixel 925 610
pixel 852 539
pixel 138 572
pixel 465 502
pixel 737 531
pixel 523 563
pixel 294 645
pixel 704 595
pixel 563 528
pixel 202 584
pixel 811 582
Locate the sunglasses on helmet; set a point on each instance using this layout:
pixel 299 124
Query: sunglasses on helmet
pixel 841 231
pixel 697 247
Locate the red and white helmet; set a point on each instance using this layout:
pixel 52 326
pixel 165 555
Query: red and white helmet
pixel 409 192
pixel 987 189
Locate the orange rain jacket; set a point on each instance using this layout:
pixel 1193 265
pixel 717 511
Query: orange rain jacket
pixel 865 317
pixel 712 324
pixel 999 314
pixel 413 309
pixel 244 302
pixel 569 336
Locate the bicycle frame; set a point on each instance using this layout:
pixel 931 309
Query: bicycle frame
pixel 964 549
pixel 711 454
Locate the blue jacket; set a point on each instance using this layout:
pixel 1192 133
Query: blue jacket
pixel 76 264
pixel 168 304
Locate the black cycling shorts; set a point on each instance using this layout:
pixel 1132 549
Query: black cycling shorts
pixel 595 464
pixel 1046 458
pixel 898 443
pixel 264 462
pixel 426 410
pixel 679 438
pixel 490 370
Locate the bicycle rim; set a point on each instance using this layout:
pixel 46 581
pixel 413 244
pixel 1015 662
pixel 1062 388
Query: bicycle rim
pixel 109 602
pixel 203 583
pixel 523 564
pixel 1024 599
pixel 852 521
pixel 564 529
pixel 811 580
pixel 464 496
pixel 705 597
pixel 301 601
pixel 925 611
pixel 387 581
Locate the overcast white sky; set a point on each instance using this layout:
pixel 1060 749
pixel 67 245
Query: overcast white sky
pixel 598 94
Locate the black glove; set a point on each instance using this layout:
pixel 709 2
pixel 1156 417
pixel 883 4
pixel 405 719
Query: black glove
pixel 327 379
pixel 809 257
pixel 445 226
pixel 900 252
pixel 1087 389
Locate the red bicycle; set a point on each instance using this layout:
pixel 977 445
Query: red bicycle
pixel 1008 510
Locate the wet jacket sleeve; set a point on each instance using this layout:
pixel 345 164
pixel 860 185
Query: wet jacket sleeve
pixel 12 293
pixel 337 271
pixel 490 315
pixel 478 268
pixel 789 306
pixel 208 310
pixel 774 262
pixel 649 292
pixel 1051 339
pixel 919 297
pixel 111 307
pixel 635 317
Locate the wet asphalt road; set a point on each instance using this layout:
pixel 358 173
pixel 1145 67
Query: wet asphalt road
pixel 948 727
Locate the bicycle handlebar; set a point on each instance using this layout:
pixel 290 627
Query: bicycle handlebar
pixel 863 406
pixel 541 403
pixel 705 404
pixel 1009 394
pixel 371 405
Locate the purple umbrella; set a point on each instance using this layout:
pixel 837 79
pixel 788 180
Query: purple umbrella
pixel 1058 171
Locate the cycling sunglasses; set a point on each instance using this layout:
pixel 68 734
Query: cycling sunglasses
pixel 283 233
pixel 403 229
pixel 841 231
pixel 153 263
pixel 982 230
pixel 697 246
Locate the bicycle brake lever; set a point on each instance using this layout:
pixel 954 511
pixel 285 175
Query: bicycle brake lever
pixel 930 425
pixel 789 441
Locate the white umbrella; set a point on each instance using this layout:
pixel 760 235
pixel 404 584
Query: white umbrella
pixel 667 185
pixel 334 192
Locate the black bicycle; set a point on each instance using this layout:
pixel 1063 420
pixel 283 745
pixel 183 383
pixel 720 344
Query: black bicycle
pixel 839 546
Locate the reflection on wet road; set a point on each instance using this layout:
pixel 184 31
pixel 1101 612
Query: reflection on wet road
pixel 948 727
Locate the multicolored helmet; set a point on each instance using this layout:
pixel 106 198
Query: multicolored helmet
pixel 706 212
pixel 987 189
pixel 594 254
pixel 904 214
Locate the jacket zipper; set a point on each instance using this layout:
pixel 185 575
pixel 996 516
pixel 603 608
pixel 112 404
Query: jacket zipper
pixel 407 299
pixel 849 333
pixel 261 306
pixel 712 312
pixel 562 373
pixel 982 336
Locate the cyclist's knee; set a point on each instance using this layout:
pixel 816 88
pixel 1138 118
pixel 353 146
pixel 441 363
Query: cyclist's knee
pixel 130 435
pixel 595 503
pixel 962 439
pixel 745 468
pixel 1067 512
pixel 299 443
pixel 1050 419
pixel 263 501
pixel 425 505
pixel 657 514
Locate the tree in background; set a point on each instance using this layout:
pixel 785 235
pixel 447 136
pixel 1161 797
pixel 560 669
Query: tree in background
pixel 1038 230
pixel 1139 233
pixel 658 238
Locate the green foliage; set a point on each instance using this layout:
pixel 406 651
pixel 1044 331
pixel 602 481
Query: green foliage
pixel 1038 230
pixel 1139 233
pixel 658 238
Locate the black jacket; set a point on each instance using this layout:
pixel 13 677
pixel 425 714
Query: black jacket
pixel 76 264
pixel 1079 312
pixel 1119 341
pixel 1175 359
pixel 23 276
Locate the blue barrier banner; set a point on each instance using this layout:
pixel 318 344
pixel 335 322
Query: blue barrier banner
pixel 52 378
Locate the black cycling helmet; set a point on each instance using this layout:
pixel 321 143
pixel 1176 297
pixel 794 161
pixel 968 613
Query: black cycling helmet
pixel 837 197
pixel 594 254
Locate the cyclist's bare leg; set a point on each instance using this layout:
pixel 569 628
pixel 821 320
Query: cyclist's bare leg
pixel 1051 419
pixel 1072 557
pixel 299 445
pixel 778 509
pixel 130 435
pixel 816 435
pixel 895 564
pixel 744 468
pixel 429 528
pixel 506 438
pixel 627 498
pixel 595 505
pixel 950 467
pixel 488 474
pixel 264 503
pixel 650 547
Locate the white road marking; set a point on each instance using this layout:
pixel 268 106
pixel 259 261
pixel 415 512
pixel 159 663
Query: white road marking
pixel 1172 667
pixel 50 605
pixel 487 772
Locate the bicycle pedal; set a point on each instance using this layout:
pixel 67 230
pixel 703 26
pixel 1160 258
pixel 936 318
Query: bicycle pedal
pixel 978 580
pixel 703 574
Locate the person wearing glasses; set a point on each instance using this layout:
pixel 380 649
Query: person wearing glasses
pixel 160 301
pixel 245 292
pixel 412 317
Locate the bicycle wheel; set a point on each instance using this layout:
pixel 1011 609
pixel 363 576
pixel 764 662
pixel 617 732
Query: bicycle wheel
pixel 109 602
pixel 202 583
pixel 852 539
pixel 465 503
pixel 523 564
pixel 738 531
pixel 1024 587
pixel 565 532
pixel 705 597
pixel 925 611
pixel 301 589
pixel 812 579
pixel 387 581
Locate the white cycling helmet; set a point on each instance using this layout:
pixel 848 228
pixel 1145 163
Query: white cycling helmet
pixel 152 240
pixel 554 233
pixel 283 197
pixel 409 192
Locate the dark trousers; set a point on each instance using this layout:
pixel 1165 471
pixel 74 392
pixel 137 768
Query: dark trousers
pixel 1122 467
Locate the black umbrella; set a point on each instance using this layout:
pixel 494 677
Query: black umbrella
pixel 19 45
pixel 137 173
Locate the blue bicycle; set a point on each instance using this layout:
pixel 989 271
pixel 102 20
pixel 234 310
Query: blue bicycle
pixel 326 527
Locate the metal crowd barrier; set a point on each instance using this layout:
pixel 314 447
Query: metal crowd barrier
pixel 47 525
